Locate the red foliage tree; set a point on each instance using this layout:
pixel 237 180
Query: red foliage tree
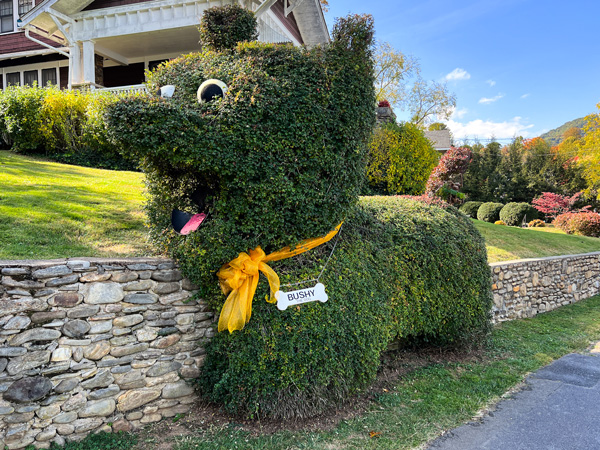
pixel 446 180
pixel 554 205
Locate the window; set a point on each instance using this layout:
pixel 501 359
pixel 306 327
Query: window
pixel 30 77
pixel 13 78
pixel 25 6
pixel 48 76
pixel 6 16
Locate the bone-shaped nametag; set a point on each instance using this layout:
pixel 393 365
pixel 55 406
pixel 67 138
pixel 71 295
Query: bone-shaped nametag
pixel 285 299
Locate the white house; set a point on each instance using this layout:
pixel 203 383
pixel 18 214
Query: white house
pixel 110 43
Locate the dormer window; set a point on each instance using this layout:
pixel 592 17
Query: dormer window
pixel 6 16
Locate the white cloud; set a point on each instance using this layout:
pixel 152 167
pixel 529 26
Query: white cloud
pixel 487 101
pixel 492 83
pixel 459 113
pixel 484 129
pixel 458 74
pixel 525 95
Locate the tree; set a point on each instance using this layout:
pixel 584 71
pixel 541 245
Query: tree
pixel 401 159
pixel 590 151
pixel 437 126
pixel 392 70
pixel 429 99
pixel 446 180
pixel 555 204
pixel 398 79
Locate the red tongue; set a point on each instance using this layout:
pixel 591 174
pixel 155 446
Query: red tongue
pixel 193 223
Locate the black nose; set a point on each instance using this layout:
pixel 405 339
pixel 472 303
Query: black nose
pixel 210 90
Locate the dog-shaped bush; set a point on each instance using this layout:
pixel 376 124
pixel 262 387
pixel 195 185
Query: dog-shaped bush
pixel 271 154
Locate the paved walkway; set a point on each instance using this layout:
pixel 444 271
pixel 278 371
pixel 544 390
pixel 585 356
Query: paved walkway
pixel 558 410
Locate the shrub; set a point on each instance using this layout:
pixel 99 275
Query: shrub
pixel 499 222
pixel 401 269
pixel 584 223
pixel 470 209
pixel 537 223
pixel 401 159
pixel 513 214
pixel 489 212
pixel 68 126
pixel 20 123
pixel 384 104
pixel 222 27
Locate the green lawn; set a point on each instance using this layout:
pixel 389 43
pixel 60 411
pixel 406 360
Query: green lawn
pixel 507 243
pixel 51 210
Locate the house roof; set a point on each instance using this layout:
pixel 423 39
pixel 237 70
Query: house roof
pixel 440 139
pixel 44 16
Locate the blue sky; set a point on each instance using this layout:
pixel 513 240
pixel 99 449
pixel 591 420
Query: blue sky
pixel 517 67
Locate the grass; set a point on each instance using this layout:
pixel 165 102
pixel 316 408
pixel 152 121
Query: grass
pixel 434 398
pixel 507 243
pixel 51 210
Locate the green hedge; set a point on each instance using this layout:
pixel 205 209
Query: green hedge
pixel 222 27
pixel 470 209
pixel 401 269
pixel 67 126
pixel 513 214
pixel 489 212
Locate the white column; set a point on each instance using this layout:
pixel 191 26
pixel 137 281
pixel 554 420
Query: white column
pixel 75 65
pixel 89 64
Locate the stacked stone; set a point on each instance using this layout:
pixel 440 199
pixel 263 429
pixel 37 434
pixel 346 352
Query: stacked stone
pixel 528 287
pixel 92 345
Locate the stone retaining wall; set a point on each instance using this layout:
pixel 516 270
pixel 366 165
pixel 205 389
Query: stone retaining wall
pixel 95 344
pixel 527 287
pixel 98 344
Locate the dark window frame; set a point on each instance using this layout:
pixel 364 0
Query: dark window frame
pixel 6 11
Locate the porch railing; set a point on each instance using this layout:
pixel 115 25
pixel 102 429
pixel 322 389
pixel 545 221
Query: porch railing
pixel 131 89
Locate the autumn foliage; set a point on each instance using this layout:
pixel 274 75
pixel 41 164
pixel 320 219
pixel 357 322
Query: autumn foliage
pixel 446 180
pixel 584 223
pixel 555 204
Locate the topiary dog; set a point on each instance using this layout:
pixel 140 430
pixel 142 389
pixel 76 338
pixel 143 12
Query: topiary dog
pixel 263 146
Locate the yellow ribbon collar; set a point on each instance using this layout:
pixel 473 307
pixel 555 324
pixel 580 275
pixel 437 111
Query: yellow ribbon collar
pixel 239 279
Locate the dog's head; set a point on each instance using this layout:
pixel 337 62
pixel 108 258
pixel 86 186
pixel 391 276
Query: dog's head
pixel 267 141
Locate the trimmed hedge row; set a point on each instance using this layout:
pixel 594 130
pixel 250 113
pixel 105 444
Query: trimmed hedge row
pixel 513 214
pixel 489 212
pixel 470 209
pixel 401 269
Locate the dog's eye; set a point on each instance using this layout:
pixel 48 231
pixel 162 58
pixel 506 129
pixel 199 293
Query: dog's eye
pixel 211 89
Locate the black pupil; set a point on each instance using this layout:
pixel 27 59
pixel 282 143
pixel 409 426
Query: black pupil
pixel 211 92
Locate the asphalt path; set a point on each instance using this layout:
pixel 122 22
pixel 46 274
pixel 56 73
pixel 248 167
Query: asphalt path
pixel 559 409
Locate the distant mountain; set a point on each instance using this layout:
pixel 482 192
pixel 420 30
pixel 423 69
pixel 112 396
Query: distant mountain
pixel 555 137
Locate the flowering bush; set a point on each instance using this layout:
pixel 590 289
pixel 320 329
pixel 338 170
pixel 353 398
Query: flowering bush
pixel 536 223
pixel 446 180
pixel 584 223
pixel 384 104
pixel 555 204
pixel 499 222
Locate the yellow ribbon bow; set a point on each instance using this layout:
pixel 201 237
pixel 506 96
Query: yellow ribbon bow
pixel 239 279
